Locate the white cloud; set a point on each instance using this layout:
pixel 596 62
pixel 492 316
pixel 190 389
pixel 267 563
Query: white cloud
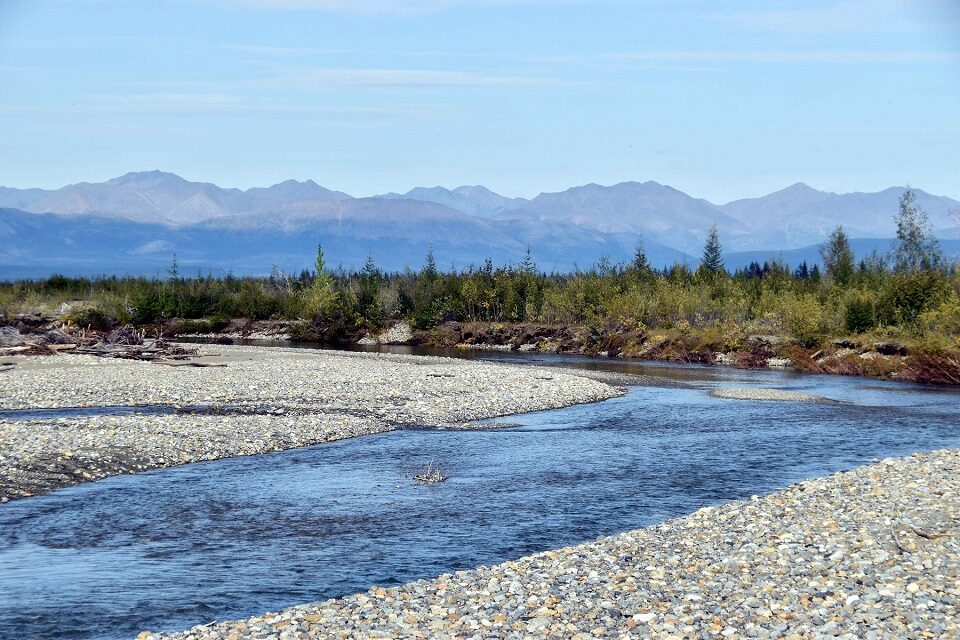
pixel 849 16
pixel 285 51
pixel 413 78
pixel 765 56
pixel 178 100
pixel 377 6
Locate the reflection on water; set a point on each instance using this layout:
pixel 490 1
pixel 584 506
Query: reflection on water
pixel 232 538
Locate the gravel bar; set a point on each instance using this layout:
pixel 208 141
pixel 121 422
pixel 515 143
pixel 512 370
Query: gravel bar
pixel 869 553
pixel 775 395
pixel 262 400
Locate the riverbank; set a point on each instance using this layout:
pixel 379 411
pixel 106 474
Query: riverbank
pixel 882 355
pixel 96 417
pixel 870 553
pixel 859 355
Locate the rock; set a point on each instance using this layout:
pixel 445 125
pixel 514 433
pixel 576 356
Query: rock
pixel 722 358
pixel 891 348
pixel 10 337
pixel 400 333
pixel 779 363
pixel 844 343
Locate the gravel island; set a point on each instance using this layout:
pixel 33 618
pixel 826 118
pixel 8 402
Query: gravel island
pixel 869 553
pixel 68 419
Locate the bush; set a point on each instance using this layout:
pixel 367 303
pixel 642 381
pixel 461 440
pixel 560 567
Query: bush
pixel 860 314
pixel 906 296
pixel 804 319
pixel 943 320
pixel 94 318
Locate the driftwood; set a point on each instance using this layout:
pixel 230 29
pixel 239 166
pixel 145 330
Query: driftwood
pixel 189 364
pixel 430 474
pixel 155 351
pixel 13 350
pixel 896 539
pixel 896 528
pixel 926 534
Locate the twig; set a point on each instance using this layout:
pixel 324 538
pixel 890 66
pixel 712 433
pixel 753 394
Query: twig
pixel 926 534
pixel 896 540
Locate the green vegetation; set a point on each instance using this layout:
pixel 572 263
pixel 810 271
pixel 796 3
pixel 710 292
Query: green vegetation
pixel 916 301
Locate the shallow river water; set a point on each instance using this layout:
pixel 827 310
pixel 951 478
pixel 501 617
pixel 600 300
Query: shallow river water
pixel 233 538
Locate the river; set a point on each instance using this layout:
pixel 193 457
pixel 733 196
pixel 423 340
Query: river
pixel 233 538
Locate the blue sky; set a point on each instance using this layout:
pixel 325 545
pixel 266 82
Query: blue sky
pixel 718 98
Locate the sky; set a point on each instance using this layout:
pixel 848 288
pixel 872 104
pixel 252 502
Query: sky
pixel 722 99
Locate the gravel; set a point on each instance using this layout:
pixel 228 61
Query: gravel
pixel 751 393
pixel 264 399
pixel 870 553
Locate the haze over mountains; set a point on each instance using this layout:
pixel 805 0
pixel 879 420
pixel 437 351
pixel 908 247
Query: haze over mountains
pixel 135 223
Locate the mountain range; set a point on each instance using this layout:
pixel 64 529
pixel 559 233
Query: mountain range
pixel 136 222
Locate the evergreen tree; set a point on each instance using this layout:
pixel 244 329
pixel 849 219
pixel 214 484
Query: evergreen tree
pixel 528 266
pixel 370 268
pixel 640 263
pixel 815 274
pixel 369 287
pixel 838 257
pixel 174 269
pixel 322 296
pixel 321 277
pixel 917 249
pixel 802 272
pixel 712 261
pixel 429 271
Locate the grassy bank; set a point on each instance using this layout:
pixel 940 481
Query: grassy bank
pixel 910 322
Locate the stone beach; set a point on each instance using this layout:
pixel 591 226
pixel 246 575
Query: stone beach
pixel 242 401
pixel 869 553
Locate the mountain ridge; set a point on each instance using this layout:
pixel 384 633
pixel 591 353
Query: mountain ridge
pixel 167 214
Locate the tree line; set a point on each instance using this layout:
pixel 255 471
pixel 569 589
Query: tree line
pixel 912 291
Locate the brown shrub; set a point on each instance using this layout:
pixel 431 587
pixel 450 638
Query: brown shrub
pixel 938 368
pixel 802 359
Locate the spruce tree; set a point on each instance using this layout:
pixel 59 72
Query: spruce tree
pixel 528 266
pixel 429 271
pixel 640 263
pixel 712 261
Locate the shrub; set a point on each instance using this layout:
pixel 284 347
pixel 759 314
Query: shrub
pixel 804 319
pixel 93 317
pixel 942 320
pixel 860 314
pixel 905 296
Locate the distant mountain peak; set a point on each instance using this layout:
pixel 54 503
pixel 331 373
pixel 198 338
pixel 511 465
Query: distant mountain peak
pixel 152 177
pixel 475 200
pixel 291 182
pixel 799 188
